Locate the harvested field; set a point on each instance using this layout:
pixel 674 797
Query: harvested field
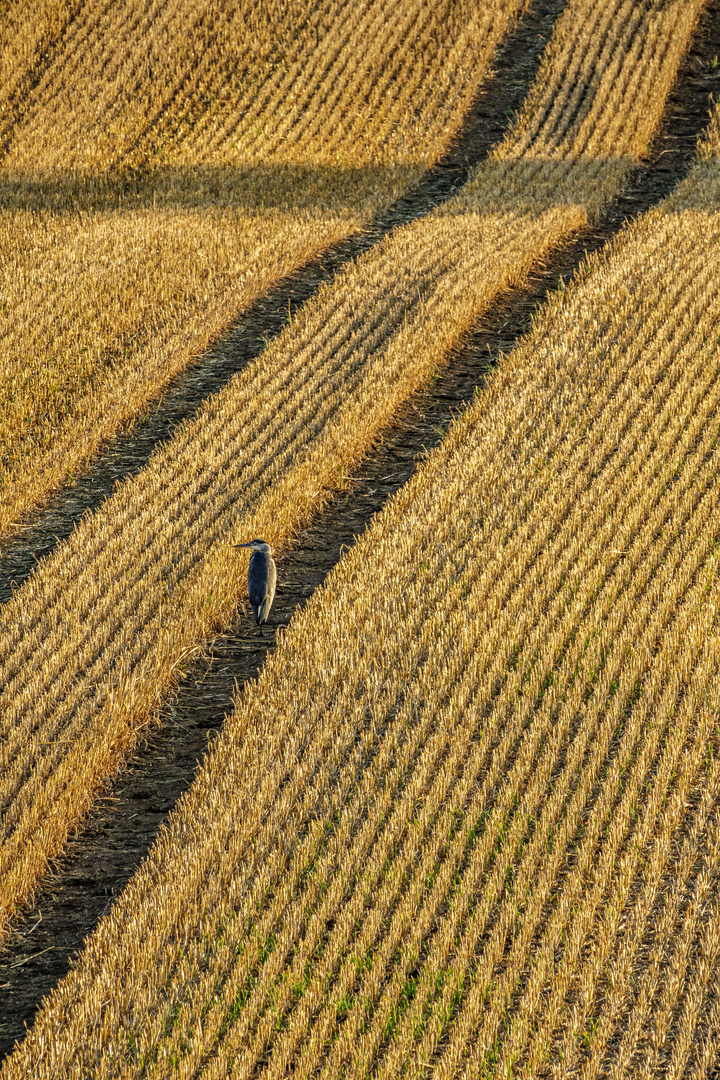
pixel 100 859
pixel 142 208
pixel 467 819
pixel 112 616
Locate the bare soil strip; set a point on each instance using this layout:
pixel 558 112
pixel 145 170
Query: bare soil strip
pixel 102 858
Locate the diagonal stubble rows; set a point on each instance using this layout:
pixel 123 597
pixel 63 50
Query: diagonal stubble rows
pixel 103 629
pixel 467 818
pixel 138 220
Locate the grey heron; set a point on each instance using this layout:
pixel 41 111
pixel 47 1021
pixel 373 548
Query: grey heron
pixel 262 576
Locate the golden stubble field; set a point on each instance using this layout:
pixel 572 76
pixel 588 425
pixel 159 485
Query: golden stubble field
pixel 465 823
pixel 152 191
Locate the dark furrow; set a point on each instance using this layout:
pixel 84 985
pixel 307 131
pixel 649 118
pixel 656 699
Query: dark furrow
pixel 101 858
pixel 283 440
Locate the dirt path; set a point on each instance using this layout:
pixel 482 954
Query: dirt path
pixel 101 858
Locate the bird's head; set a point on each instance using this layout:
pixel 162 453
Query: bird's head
pixel 256 545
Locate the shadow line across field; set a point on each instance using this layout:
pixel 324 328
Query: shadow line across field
pixel 103 857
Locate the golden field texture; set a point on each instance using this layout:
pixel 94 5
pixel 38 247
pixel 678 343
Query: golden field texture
pixel 466 821
pixel 164 165
pixel 27 36
pixel 104 627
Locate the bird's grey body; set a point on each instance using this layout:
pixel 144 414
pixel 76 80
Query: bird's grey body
pixel 262 577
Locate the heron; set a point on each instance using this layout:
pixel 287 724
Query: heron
pixel 262 576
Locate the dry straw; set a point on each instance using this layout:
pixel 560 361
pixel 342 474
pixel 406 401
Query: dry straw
pixel 467 818
pixel 165 164
pixel 104 627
